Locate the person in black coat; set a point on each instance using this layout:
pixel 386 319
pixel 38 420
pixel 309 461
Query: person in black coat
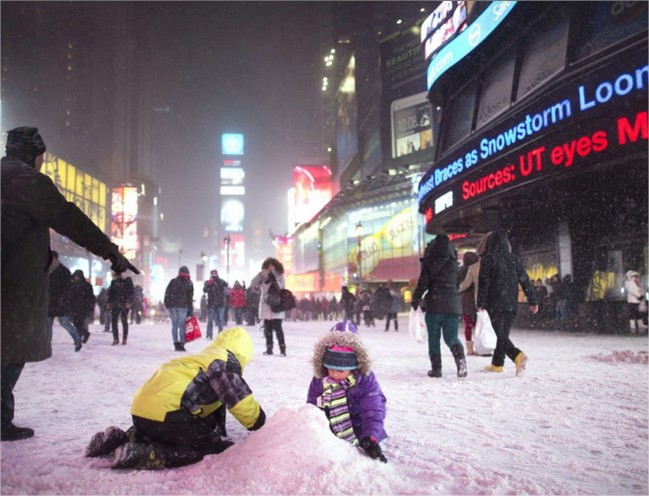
pixel 120 298
pixel 179 300
pixel 31 206
pixel 500 274
pixel 440 277
pixel 82 304
pixel 59 299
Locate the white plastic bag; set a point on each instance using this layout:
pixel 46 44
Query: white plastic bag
pixel 417 325
pixel 484 336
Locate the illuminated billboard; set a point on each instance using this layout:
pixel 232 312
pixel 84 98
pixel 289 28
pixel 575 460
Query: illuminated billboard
pixel 84 190
pixel 232 214
pixel 123 228
pixel 236 252
pixel 313 189
pixel 411 125
pixel 232 144
pixel 346 116
pixel 442 25
pixel 231 176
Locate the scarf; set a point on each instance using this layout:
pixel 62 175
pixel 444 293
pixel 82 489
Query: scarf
pixel 334 401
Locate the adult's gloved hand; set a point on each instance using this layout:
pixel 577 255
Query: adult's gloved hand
pixel 119 262
pixel 414 304
pixel 373 449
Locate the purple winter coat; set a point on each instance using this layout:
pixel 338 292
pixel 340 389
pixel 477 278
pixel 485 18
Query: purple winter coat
pixel 366 404
pixel 365 400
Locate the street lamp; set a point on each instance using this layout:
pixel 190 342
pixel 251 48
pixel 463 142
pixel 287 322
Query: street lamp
pixel 226 240
pixel 359 253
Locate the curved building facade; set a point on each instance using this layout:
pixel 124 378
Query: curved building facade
pixel 541 114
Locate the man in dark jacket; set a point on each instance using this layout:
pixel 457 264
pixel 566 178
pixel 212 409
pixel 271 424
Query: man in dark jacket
pixel 59 299
pixel 82 304
pixel 31 205
pixel 179 300
pixel 500 274
pixel 215 288
pixel 120 298
pixel 439 276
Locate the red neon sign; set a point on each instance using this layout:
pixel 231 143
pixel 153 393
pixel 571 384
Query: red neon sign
pixel 544 160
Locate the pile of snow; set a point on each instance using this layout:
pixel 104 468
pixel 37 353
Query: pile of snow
pixel 627 356
pixel 571 425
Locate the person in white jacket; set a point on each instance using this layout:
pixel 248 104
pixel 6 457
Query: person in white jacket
pixel 634 296
pixel 272 271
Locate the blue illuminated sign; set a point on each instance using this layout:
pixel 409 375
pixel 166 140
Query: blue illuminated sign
pixel 232 144
pixel 602 116
pixel 466 41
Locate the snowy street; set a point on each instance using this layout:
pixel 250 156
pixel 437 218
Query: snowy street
pixel 575 423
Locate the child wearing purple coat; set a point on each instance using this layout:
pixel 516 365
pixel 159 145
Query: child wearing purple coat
pixel 345 387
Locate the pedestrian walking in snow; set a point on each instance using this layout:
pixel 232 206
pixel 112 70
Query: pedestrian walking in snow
pixel 500 274
pixel 179 300
pixel 120 298
pixel 82 304
pixel 59 299
pixel 215 289
pixel 439 280
pixel 635 295
pixel 272 272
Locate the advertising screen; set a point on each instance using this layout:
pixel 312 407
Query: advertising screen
pixel 446 31
pixel 123 229
pixel 346 116
pixel 232 144
pixel 411 125
pixel 232 176
pixel 232 214
pixel 84 190
pixel 313 190
pixel 594 119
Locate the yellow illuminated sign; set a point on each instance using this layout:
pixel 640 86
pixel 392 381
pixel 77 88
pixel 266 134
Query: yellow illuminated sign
pixel 85 191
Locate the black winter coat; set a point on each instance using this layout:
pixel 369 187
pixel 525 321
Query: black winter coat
pixel 59 292
pixel 500 274
pixel 120 292
pixel 180 294
pixel 440 276
pixel 215 290
pixel 31 205
pixel 82 298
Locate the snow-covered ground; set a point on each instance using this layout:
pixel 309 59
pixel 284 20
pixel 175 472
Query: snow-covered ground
pixel 575 423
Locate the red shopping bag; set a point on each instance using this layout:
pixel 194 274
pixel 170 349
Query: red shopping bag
pixel 192 331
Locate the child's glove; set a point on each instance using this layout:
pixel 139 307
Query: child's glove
pixel 373 449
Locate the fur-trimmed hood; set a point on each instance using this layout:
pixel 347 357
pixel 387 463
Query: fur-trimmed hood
pixel 345 338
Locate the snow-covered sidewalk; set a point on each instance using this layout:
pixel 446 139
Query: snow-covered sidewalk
pixel 575 423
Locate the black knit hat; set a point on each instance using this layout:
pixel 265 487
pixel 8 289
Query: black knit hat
pixel 340 358
pixel 183 270
pixel 25 143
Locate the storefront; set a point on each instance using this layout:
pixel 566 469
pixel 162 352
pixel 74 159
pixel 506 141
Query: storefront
pixel 543 131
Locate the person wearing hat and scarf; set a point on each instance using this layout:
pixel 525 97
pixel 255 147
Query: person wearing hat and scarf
pixel 179 300
pixel 31 206
pixel 344 386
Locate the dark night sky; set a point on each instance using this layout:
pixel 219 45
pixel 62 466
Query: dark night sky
pixel 242 67
pixel 249 67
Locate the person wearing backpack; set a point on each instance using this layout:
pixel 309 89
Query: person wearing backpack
pixel 270 280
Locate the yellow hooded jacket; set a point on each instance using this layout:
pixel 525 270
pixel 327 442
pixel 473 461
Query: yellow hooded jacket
pixel 202 382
